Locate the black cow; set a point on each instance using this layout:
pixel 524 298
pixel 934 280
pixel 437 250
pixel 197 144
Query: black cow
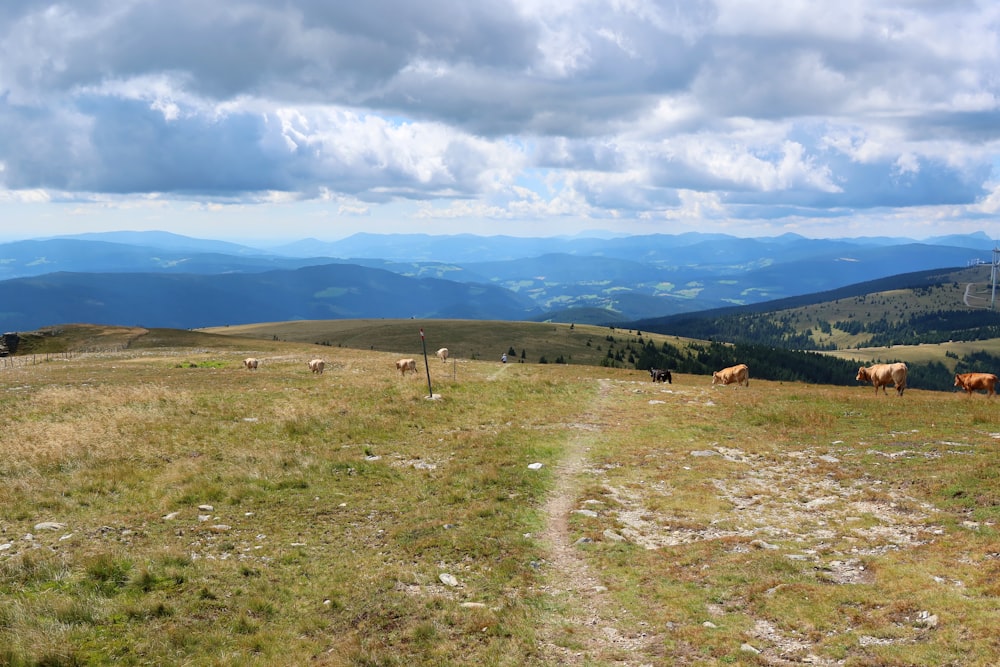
pixel 660 375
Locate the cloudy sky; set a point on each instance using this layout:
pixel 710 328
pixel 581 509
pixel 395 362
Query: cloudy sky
pixel 257 119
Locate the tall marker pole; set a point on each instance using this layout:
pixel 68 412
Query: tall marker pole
pixel 423 343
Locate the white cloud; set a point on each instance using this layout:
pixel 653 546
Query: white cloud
pixel 628 111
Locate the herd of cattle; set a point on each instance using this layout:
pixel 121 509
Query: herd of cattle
pixel 880 375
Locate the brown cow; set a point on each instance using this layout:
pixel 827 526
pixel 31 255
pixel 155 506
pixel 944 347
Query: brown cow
pixel 406 365
pixel 971 382
pixel 881 375
pixel 317 366
pixel 251 363
pixel 740 374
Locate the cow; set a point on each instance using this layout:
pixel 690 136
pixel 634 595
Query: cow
pixel 251 363
pixel 661 375
pixel 442 354
pixel 317 366
pixel 740 374
pixel 406 365
pixel 971 382
pixel 881 375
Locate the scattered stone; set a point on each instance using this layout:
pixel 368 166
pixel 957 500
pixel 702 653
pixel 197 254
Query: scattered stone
pixel 65 537
pixel 747 648
pixel 534 466
pixel 613 536
pixel 704 452
pixel 583 540
pixel 206 508
pixel 590 513
pixel 656 402
pixel 927 620
pixel 448 579
pixel 49 525
pixel 220 528
pixel 473 605
pixel 709 624
pixel 204 517
pixel 4 547
pixel 171 516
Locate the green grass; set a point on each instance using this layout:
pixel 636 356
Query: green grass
pixel 214 515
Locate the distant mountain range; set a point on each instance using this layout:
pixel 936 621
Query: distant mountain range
pixel 158 279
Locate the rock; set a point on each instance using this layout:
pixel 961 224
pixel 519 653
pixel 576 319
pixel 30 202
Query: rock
pixel 613 536
pixel 171 516
pixel 747 648
pixel 590 513
pixel 761 544
pixel 206 508
pixel 704 452
pixel 49 525
pixel 534 466
pixel 448 579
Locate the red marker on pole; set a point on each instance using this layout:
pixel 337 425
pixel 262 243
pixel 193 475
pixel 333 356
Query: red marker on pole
pixel 427 366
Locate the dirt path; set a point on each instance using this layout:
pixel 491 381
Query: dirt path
pixel 589 628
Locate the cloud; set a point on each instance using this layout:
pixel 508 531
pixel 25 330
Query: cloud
pixel 626 110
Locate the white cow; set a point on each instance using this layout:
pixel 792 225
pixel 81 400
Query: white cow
pixel 406 365
pixel 317 366
pixel 443 354
pixel 251 363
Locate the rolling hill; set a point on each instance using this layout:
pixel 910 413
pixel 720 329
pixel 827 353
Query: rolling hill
pixel 164 280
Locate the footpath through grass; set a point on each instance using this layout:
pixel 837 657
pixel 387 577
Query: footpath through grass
pixel 167 506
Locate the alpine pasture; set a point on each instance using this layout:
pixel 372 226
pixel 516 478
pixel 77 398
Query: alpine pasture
pixel 162 505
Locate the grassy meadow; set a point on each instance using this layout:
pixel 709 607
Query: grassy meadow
pixel 162 505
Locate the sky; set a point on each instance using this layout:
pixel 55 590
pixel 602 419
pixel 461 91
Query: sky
pixel 273 121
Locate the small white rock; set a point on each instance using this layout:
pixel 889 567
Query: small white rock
pixel 534 466
pixel 49 525
pixel 448 579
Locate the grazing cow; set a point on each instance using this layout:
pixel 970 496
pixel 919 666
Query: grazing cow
pixel 251 363
pixel 443 354
pixel 740 374
pixel 317 366
pixel 971 382
pixel 881 375
pixel 406 365
pixel 661 375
